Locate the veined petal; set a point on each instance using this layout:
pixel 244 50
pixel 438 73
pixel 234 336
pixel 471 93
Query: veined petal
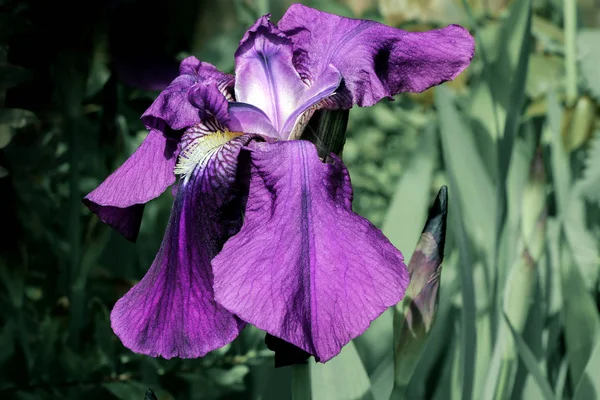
pixel 304 267
pixel 210 103
pixel 247 118
pixel 119 200
pixel 375 60
pixel 173 109
pixel 266 77
pixel 171 312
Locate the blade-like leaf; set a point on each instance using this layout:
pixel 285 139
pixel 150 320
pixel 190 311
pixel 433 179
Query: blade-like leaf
pixel 341 378
pixel 408 209
pixel 582 322
pixel 530 362
pixel 589 384
pixel 589 58
pixel 590 185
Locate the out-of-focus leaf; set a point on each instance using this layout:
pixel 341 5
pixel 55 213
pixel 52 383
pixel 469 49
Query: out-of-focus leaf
pixel 448 383
pixel 233 377
pixel 590 184
pixel 408 209
pixel 12 75
pixel 3 172
pixel 468 314
pixel 373 347
pixel 7 342
pixel 578 123
pixel 583 243
pixel 359 7
pixel 561 168
pixel 465 165
pixel 543 73
pixel 516 38
pixel 582 322
pixel 270 383
pixel 12 119
pixel 589 384
pixel 341 378
pixel 99 72
pixel 530 362
pixel 128 390
pixel 22 395
pixel 547 31
pixel 14 286
pixel 398 11
pixel 589 59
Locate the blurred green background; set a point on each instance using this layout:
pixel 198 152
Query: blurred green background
pixel 516 138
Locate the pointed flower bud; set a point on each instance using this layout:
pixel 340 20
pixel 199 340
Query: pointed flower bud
pixel 415 315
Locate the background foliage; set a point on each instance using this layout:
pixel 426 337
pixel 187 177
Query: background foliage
pixel 516 138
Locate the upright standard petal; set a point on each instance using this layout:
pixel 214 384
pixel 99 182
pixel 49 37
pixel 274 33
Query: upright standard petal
pixel 304 267
pixel 171 312
pixel 266 77
pixel 173 109
pixel 119 200
pixel 375 60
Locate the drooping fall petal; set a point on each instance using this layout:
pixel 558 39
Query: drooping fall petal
pixel 375 60
pixel 171 312
pixel 119 200
pixel 304 267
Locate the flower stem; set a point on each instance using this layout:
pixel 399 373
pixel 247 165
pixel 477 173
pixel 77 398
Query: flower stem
pixel 327 130
pixel 301 389
pixel 570 28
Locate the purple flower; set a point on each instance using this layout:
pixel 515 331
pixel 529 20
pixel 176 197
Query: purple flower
pixel 262 230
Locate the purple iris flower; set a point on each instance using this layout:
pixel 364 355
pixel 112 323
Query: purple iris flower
pixel 262 230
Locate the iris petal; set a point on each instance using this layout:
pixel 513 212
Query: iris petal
pixel 304 267
pixel 247 118
pixel 171 312
pixel 173 109
pixel 266 77
pixel 119 200
pixel 375 60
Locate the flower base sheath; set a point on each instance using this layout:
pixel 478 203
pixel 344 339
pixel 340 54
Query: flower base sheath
pixel 262 230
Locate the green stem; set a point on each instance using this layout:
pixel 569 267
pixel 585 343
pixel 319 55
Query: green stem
pixel 301 388
pixel 327 130
pixel 570 28
pixel 398 393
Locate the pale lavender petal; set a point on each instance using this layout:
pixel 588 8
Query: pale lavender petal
pixel 375 60
pixel 267 79
pixel 172 108
pixel 247 118
pixel 171 312
pixel 325 86
pixel 304 267
pixel 141 178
